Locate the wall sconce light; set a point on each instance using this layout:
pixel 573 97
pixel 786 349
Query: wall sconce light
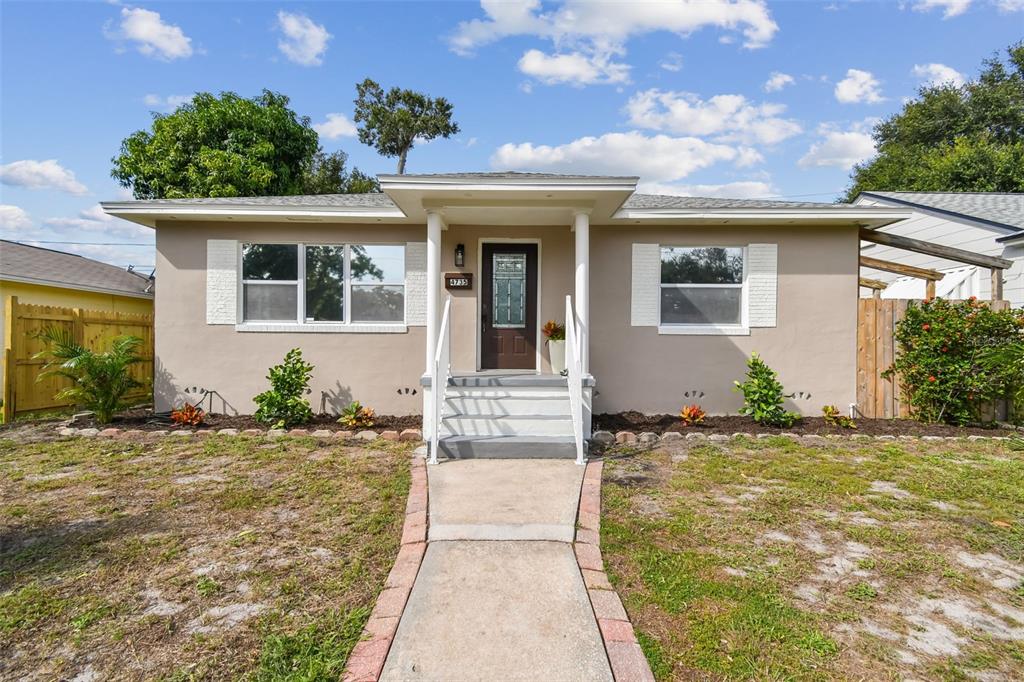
pixel 460 255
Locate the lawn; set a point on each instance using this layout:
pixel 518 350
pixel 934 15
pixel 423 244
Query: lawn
pixel 179 559
pixel 775 559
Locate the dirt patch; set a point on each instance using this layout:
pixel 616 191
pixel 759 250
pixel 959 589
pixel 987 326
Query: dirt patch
pixel 147 420
pixel 728 425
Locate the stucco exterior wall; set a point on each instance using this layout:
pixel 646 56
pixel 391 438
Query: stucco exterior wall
pixel 813 346
pixel 375 369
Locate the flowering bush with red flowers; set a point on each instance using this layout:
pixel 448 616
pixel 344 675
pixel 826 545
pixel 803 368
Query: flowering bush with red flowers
pixel 942 347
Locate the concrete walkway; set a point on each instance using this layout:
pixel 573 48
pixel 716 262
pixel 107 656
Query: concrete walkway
pixel 499 595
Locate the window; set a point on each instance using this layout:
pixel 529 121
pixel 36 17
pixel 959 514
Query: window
pixel 702 286
pixel 323 284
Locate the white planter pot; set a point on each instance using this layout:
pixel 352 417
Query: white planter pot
pixel 556 353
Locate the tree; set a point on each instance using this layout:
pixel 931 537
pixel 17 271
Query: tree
pixel 393 122
pixel 228 146
pixel 327 174
pixel 954 138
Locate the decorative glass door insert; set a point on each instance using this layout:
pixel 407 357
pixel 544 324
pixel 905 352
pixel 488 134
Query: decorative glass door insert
pixel 509 290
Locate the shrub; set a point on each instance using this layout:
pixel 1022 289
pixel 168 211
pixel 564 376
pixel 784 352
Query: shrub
pixel 188 415
pixel 944 361
pixel 284 405
pixel 762 395
pixel 99 381
pixel 691 415
pixel 553 331
pixel 356 416
pixel 833 417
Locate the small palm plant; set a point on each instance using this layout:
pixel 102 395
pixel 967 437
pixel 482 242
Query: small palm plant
pixel 99 381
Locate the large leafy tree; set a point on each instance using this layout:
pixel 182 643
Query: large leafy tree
pixel 227 146
pixel 392 122
pixel 954 138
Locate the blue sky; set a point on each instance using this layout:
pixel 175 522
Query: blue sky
pixel 724 98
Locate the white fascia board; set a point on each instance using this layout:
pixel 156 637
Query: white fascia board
pixel 803 215
pixel 76 287
pixel 147 214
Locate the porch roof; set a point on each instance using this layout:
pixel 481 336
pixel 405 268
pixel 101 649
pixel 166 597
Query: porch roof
pixel 506 198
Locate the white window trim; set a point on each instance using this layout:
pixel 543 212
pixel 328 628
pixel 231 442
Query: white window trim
pixel 300 324
pixel 741 329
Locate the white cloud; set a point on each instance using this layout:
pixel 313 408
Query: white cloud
pixel 47 174
pixel 593 33
pixel 938 74
pixel 14 218
pixel 336 125
pixel 152 37
pixel 858 86
pixel 673 62
pixel 658 158
pixel 574 68
pixel 777 81
pixel 950 8
pixel 168 103
pixel 839 148
pixel 729 118
pixel 94 219
pixel 1010 5
pixel 305 41
pixel 744 189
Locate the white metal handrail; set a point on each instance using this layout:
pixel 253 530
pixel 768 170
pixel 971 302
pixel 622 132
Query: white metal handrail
pixel 574 364
pixel 440 373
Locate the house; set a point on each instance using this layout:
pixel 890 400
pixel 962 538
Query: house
pixel 46 277
pixel 669 297
pixel 987 223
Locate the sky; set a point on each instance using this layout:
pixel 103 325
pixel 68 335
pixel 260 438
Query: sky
pixel 737 98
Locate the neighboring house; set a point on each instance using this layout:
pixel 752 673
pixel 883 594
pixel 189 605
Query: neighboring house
pixel 672 296
pixel 47 277
pixel 988 223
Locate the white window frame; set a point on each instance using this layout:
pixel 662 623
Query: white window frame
pixel 741 329
pixel 300 323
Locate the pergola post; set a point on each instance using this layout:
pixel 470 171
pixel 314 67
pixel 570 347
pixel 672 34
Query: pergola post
pixel 997 284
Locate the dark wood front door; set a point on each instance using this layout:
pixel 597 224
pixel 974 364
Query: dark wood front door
pixel 508 307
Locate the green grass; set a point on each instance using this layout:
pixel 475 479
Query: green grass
pixel 317 651
pixel 722 557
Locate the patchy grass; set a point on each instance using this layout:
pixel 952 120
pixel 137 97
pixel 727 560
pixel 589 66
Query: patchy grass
pixel 222 558
pixel 771 559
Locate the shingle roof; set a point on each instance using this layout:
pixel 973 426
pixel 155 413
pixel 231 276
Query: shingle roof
pixel 1003 209
pixel 655 201
pixel 511 175
pixel 369 200
pixel 23 262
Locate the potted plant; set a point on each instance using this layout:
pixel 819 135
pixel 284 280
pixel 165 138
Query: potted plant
pixel 554 334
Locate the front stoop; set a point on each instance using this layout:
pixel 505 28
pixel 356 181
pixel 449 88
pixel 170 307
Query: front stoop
pixel 624 653
pixel 366 661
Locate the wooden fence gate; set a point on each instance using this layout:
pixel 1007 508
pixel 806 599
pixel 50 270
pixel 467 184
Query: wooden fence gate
pixel 880 398
pixel 94 329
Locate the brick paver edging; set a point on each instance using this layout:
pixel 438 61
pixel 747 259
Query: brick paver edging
pixel 366 661
pixel 624 653
pixel 608 439
pixel 320 434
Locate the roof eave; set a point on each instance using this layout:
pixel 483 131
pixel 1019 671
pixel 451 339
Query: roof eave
pixel 147 214
pixel 873 218
pixel 524 184
pixel 75 287
pixel 941 211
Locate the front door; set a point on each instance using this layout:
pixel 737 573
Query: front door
pixel 508 307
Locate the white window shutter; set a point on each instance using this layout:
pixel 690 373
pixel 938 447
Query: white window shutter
pixel 762 284
pixel 646 285
pixel 221 281
pixel 416 284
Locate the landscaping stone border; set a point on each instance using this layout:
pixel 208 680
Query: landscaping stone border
pixel 320 434
pixel 366 661
pixel 624 653
pixel 647 438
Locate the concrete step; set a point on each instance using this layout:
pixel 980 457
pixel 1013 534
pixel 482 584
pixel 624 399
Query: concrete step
pixel 520 405
pixel 506 380
pixel 506 425
pixel 500 392
pixel 507 447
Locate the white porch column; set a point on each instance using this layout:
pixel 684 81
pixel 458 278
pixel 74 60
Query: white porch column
pixel 581 225
pixel 434 225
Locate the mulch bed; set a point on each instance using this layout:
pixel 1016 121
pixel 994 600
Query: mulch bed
pixel 146 420
pixel 662 423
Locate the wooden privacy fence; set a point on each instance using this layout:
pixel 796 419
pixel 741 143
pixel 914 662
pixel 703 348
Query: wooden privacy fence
pixel 93 329
pixel 880 398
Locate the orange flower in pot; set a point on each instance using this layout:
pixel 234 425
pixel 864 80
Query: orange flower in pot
pixel 554 333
